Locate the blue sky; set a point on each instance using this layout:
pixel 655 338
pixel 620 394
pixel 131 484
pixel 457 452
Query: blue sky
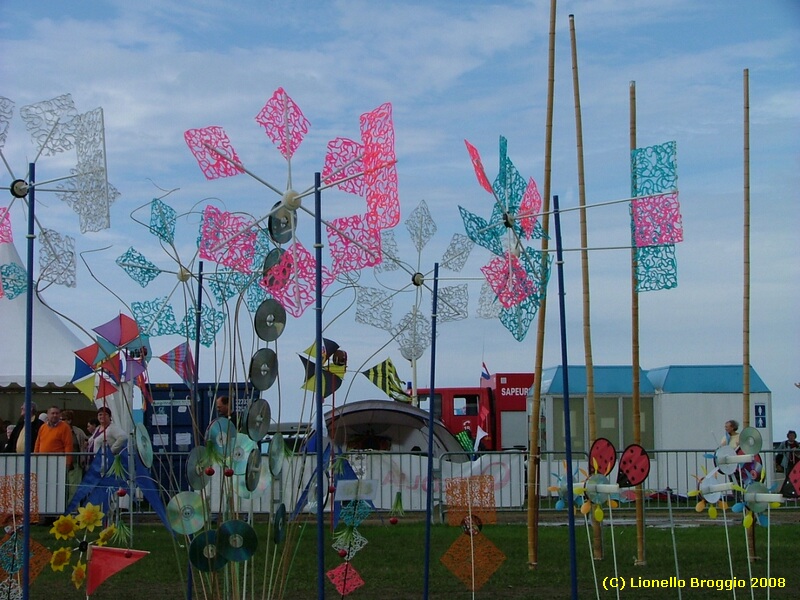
pixel 452 71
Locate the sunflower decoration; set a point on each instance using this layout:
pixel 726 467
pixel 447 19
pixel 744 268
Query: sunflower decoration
pixel 76 529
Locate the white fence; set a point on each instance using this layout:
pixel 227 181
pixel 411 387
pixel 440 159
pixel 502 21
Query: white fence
pixel 403 473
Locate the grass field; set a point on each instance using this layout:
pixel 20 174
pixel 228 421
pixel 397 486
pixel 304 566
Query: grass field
pixel 392 563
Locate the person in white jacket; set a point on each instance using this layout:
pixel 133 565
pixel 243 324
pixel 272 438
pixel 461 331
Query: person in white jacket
pixel 108 434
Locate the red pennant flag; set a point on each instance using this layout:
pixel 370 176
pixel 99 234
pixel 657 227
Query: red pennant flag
pixel 102 562
pixel 105 388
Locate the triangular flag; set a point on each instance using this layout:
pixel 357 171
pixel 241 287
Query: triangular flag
pixel 106 388
pixel 328 348
pixel 102 562
pixel 88 354
pixel 331 377
pixel 120 330
pixel 113 367
pixel 181 361
pixel 81 370
pixel 86 386
pixel 481 434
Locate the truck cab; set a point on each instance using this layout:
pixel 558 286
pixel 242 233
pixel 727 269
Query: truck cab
pixel 498 407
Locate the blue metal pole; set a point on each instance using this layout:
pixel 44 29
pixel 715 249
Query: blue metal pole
pixel 26 525
pixel 429 491
pixel 195 396
pixel 318 382
pixel 573 562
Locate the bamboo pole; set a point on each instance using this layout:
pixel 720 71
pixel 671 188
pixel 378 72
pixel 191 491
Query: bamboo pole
pixel 587 322
pixel 534 456
pixel 751 531
pixel 637 426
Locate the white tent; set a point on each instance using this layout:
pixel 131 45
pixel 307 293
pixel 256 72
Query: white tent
pixel 53 361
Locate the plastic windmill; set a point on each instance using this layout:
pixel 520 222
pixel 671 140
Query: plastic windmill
pixel 375 305
pixel 516 278
pixel 365 168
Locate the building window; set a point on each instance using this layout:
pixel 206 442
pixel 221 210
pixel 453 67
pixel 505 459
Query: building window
pixel 576 423
pixel 465 405
pixel 646 423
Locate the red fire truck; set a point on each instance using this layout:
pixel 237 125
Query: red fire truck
pixel 498 407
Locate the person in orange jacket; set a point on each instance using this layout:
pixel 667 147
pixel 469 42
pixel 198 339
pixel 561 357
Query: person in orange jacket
pixel 55 436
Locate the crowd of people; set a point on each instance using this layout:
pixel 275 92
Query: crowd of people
pixel 53 432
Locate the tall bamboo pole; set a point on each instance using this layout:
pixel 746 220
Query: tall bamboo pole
pixel 637 426
pixel 587 324
pixel 746 266
pixel 533 439
pixel 751 531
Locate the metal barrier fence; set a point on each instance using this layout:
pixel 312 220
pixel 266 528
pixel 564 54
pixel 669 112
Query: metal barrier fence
pixel 673 473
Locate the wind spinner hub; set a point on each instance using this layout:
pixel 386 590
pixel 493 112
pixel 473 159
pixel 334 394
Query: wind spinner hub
pixel 19 188
pixel 418 279
pixel 184 274
pixel 291 200
pixel 508 220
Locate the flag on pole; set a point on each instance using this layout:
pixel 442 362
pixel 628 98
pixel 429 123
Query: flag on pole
pixel 485 372
pixel 103 562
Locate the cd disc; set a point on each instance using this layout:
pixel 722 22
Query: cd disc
pixel 262 485
pixel 276 453
pixel 221 436
pixel 750 440
pixel 143 446
pixel 279 524
pixel 241 453
pixel 263 369
pixel 272 276
pixel 196 465
pixel 253 471
pixel 186 512
pixel 270 320
pixel 204 552
pixel 280 224
pixel 721 456
pixel 258 419
pixel 236 541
